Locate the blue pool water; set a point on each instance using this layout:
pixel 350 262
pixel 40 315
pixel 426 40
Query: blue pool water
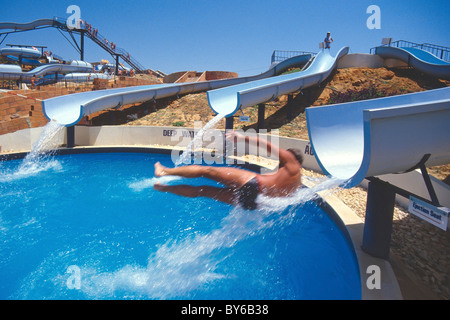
pixel 92 227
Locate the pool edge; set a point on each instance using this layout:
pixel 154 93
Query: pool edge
pixel 389 286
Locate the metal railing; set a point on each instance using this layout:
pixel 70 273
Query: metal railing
pixel 113 50
pixel 14 82
pixel 441 52
pixel 17 82
pixel 103 42
pixel 281 55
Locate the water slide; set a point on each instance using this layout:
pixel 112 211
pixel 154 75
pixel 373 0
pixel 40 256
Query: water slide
pixel 68 110
pixel 19 54
pixel 381 136
pixel 418 59
pixel 12 72
pixel 72 77
pixel 60 23
pixel 30 25
pixel 229 100
pixel 28 62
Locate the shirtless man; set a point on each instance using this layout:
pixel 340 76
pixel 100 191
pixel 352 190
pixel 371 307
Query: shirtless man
pixel 242 186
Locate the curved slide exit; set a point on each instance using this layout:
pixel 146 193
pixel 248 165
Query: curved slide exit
pixel 419 59
pixel 352 141
pixel 18 54
pixel 68 110
pixel 229 100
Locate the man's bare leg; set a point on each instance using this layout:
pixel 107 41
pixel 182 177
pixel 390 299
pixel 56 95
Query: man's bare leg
pixel 225 195
pixel 231 177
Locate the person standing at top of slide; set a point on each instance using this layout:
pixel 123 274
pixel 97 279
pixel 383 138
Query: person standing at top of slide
pixel 328 40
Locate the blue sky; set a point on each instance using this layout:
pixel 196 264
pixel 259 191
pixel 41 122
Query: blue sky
pixel 229 35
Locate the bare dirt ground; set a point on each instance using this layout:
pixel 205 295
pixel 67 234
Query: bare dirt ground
pixel 420 253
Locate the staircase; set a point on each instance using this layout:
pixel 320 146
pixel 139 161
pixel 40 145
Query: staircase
pixel 115 51
pixel 102 41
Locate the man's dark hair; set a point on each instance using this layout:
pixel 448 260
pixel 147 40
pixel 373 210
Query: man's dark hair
pixel 297 154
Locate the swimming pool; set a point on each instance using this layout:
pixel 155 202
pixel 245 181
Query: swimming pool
pixel 90 226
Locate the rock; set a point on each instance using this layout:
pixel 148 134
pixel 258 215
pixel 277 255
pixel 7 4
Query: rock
pixel 388 75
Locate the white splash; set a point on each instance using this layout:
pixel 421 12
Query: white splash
pixel 185 157
pixel 150 182
pixel 177 268
pixel 47 142
pixel 39 159
pixel 301 196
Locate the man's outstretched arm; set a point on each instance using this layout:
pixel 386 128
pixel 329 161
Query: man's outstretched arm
pixel 284 155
